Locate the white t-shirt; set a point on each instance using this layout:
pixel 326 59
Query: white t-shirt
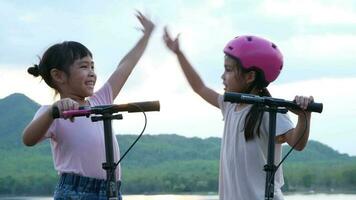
pixel 78 147
pixel 241 174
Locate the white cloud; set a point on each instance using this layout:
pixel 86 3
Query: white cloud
pixel 217 3
pixel 313 12
pixel 323 46
pixel 19 81
pixel 182 111
pixel 204 29
pixel 28 18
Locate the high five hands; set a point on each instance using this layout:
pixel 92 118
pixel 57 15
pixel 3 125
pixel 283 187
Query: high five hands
pixel 172 44
pixel 147 24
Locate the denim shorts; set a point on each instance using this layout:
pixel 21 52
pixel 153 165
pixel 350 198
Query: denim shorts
pixel 75 187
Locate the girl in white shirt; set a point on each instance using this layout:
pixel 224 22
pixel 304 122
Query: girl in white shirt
pixel 251 63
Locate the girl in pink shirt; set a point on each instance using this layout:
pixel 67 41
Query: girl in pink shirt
pixel 78 145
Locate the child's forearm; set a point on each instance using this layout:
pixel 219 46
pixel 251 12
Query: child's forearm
pixel 196 82
pixel 37 128
pixel 134 55
pixel 192 76
pixel 126 65
pixel 301 130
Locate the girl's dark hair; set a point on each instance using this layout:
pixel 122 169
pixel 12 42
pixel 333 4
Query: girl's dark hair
pixel 254 116
pixel 59 56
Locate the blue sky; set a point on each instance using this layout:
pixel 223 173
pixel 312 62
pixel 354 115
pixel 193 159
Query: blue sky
pixel 317 38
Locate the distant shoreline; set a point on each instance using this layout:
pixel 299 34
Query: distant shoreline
pixel 196 194
pixel 311 196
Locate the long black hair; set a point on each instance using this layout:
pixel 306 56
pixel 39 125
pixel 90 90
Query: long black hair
pixel 254 116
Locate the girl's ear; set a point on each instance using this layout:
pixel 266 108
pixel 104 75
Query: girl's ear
pixel 58 76
pixel 250 76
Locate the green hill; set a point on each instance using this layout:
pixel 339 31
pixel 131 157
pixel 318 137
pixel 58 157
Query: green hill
pixel 15 112
pixel 316 151
pixel 162 163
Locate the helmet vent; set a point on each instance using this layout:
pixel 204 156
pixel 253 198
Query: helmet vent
pixel 230 47
pixel 274 46
pixel 249 38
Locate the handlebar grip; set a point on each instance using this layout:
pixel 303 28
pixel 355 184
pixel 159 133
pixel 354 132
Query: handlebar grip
pixel 75 113
pixel 68 113
pixel 315 107
pixel 55 112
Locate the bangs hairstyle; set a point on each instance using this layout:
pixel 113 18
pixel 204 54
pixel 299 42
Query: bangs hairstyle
pixel 59 56
pixel 64 55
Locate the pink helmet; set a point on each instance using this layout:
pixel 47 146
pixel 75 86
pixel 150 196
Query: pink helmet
pixel 256 52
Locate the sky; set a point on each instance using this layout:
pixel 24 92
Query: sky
pixel 317 39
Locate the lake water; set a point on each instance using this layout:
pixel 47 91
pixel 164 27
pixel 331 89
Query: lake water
pixel 205 197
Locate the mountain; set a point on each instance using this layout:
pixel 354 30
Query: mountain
pixel 316 151
pixel 16 111
pixel 157 163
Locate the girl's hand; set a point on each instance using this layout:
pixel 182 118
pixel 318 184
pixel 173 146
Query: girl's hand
pixel 147 24
pixel 173 45
pixel 303 103
pixel 66 104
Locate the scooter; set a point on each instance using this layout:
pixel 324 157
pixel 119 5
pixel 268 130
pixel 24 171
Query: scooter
pixel 272 106
pixel 106 113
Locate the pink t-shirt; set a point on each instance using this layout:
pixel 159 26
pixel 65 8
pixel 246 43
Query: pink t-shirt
pixel 78 147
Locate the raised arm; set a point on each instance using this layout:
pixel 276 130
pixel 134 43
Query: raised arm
pixel 192 76
pixel 129 61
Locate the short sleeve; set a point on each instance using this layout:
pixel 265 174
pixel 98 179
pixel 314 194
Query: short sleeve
pixel 50 131
pixel 222 105
pixel 283 123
